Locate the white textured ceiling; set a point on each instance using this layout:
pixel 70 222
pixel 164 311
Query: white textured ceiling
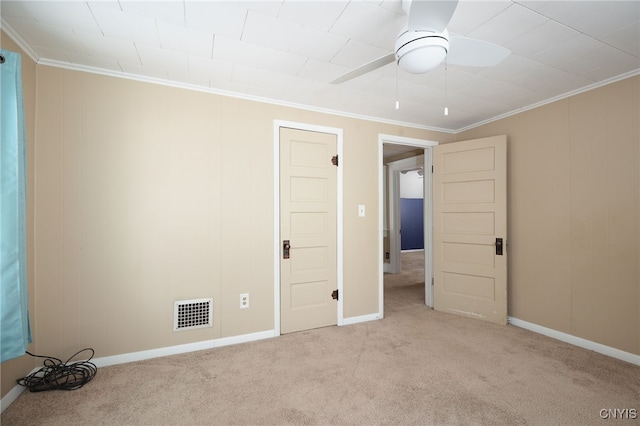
pixel 289 51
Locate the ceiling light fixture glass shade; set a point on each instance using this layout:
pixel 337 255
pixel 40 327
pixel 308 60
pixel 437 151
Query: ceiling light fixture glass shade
pixel 420 51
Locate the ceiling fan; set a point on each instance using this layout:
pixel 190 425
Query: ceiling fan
pixel 426 42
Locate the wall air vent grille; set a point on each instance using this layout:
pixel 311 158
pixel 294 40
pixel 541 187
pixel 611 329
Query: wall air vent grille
pixel 192 314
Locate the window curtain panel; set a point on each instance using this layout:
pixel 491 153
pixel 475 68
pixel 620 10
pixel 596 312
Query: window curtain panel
pixel 15 331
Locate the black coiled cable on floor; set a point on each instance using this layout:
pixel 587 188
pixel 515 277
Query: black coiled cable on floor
pixel 60 375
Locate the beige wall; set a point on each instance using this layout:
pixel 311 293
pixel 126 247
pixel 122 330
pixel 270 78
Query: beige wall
pixel 19 367
pixel 574 219
pixel 148 194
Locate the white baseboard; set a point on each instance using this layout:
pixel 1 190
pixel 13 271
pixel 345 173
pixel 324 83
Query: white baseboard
pixel 14 393
pixel 245 338
pixel 576 341
pixel 11 396
pixel 181 349
pixel 363 318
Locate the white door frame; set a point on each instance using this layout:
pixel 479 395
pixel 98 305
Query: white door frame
pixel 428 215
pixel 277 124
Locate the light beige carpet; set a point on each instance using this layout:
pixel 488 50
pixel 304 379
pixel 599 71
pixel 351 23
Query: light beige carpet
pixel 416 366
pixel 411 270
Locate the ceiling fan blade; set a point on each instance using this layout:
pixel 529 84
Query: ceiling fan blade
pixel 433 15
pixel 370 66
pixel 471 52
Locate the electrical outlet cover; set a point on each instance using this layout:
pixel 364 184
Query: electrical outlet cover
pixel 244 300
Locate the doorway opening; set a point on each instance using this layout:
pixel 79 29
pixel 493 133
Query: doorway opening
pixel 405 184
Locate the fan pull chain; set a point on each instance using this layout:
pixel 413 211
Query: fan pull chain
pixel 397 100
pixel 446 98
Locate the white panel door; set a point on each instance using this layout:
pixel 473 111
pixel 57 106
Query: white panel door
pixel 308 230
pixel 470 228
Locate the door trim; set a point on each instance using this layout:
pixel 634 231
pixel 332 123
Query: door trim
pixel 427 145
pixel 277 124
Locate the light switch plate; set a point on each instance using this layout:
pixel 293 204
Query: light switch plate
pixel 361 210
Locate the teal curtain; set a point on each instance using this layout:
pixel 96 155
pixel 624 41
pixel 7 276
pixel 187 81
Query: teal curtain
pixel 15 331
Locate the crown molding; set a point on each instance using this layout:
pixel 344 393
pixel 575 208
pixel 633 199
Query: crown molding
pixel 22 44
pixel 237 95
pixel 181 85
pixel 553 99
pixel 120 74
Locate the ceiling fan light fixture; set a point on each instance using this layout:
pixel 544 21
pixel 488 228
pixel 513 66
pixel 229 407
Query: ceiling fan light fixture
pixel 420 51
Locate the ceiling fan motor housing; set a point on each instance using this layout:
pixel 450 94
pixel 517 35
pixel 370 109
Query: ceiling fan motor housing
pixel 420 51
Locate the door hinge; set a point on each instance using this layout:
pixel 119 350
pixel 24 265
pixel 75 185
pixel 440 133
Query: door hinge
pixel 334 294
pixel 432 169
pixel 334 160
pixel 433 281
